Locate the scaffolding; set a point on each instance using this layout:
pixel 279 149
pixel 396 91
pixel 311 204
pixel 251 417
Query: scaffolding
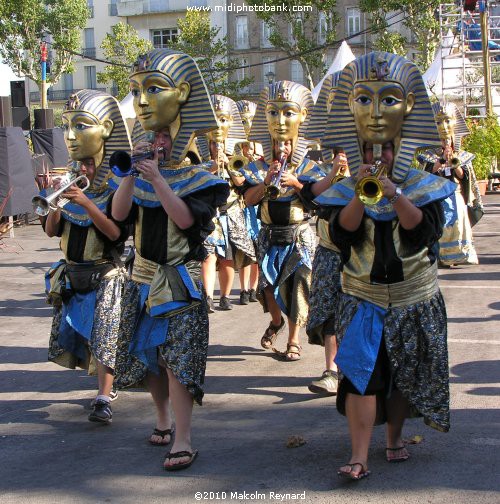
pixel 463 55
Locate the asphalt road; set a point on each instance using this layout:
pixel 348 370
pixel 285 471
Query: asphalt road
pixel 50 453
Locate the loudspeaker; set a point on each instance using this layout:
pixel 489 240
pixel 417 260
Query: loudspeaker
pixel 17 93
pixel 16 172
pixel 44 118
pixel 21 118
pixel 5 112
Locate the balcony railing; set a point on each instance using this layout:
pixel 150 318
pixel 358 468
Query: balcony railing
pixel 88 52
pixel 57 94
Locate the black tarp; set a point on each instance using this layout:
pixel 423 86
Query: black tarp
pixel 16 171
pixel 51 142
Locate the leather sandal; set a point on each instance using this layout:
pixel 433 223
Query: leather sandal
pixel 267 341
pixel 291 349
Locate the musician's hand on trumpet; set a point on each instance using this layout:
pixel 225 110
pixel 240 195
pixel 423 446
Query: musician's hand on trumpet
pixel 290 180
pixel 149 168
pixel 76 195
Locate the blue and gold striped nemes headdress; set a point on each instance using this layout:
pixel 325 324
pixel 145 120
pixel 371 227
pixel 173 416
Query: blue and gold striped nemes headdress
pixel 197 114
pixel 319 115
pixel 281 91
pixel 419 128
pixel 102 106
pixel 236 131
pixel 447 109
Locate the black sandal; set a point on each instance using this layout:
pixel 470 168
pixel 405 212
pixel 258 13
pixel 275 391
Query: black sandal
pixel 177 467
pixel 348 474
pixel 162 434
pixel 267 341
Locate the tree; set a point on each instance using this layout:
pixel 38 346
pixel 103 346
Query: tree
pixel 122 46
pixel 420 19
pixel 211 53
pixel 24 24
pixel 295 28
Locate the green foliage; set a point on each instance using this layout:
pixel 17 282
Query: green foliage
pixel 305 28
pixel 201 42
pixel 484 142
pixel 122 46
pixel 420 20
pixel 24 24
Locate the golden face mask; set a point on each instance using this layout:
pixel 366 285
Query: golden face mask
pixel 225 121
pixel 169 90
pixel 379 109
pixel 381 97
pixel 93 129
pixel 282 114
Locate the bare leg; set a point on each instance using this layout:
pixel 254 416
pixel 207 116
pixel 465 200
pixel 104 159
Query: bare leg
pixel 254 276
pixel 182 403
pixel 293 339
pixel 158 385
pixel 226 276
pixel 272 306
pixel 397 411
pixel 208 274
pixel 105 379
pixel 330 352
pixel 244 277
pixel 361 412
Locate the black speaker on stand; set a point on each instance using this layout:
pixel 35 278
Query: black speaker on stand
pixel 18 93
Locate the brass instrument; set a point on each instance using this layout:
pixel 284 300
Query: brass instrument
pixel 236 163
pixel 274 189
pixel 43 205
pixel 452 163
pixel 369 189
pixel 122 163
pixel 340 174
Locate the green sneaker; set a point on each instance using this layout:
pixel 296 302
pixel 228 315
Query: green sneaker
pixel 327 384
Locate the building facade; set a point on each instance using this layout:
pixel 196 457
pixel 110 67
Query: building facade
pixel 248 38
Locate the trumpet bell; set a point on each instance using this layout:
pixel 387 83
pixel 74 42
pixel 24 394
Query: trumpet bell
pixel 369 190
pixel 273 192
pixel 120 163
pixel 42 205
pixel 236 163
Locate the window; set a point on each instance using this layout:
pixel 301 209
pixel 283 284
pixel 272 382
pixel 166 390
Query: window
pixel 90 77
pixel 353 20
pixel 266 33
pixel 267 68
pixel 161 38
pixel 89 47
pixel 322 28
pixel 299 28
pixel 296 72
pixel 112 8
pixel 242 73
pixel 68 81
pixel 90 5
pixel 241 32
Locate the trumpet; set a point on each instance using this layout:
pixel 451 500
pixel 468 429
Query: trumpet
pixel 369 189
pixel 236 163
pixel 43 205
pixel 122 163
pixel 274 189
pixel 340 174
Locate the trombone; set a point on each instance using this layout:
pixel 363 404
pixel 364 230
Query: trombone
pixel 43 205
pixel 369 189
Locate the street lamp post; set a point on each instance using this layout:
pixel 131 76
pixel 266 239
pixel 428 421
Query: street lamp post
pixel 270 77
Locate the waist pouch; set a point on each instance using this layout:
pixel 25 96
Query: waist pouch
pixel 282 235
pixel 85 278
